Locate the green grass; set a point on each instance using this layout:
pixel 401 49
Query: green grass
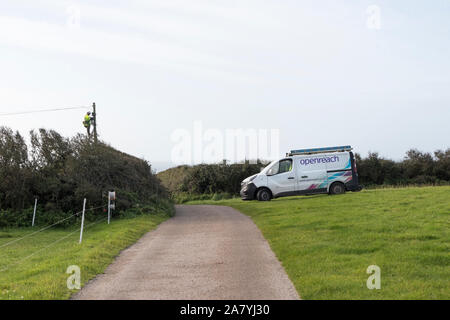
pixel 43 275
pixel 326 243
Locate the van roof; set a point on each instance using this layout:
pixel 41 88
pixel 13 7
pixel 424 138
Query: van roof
pixel 320 150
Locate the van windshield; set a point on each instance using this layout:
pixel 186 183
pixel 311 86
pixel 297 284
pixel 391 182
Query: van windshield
pixel 277 167
pixel 264 171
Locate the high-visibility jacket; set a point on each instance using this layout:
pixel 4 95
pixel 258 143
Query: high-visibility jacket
pixel 87 121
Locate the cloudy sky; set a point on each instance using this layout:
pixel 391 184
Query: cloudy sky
pixel 373 74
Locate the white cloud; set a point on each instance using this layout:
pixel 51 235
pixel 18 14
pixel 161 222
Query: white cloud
pixel 214 59
pixel 138 34
pixel 99 44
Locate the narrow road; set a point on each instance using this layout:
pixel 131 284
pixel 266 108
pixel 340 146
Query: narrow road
pixel 204 252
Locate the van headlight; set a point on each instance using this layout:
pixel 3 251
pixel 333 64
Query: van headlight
pixel 248 180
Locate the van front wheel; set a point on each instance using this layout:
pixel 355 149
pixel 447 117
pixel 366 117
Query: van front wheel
pixel 337 188
pixel 263 195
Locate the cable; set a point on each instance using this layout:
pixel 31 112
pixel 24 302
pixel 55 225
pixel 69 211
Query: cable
pixel 43 110
pixel 47 227
pixel 95 222
pixel 52 244
pixel 35 232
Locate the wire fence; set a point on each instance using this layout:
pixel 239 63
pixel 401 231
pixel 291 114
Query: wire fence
pixel 50 245
pixel 38 231
pixel 49 226
pixel 77 230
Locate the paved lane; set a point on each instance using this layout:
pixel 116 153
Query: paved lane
pixel 204 252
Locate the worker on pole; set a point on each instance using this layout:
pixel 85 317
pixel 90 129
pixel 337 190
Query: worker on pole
pixel 87 123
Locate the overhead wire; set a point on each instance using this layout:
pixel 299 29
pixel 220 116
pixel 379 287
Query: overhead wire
pixel 42 110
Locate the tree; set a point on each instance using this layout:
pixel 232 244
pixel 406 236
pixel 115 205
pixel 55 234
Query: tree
pixel 62 171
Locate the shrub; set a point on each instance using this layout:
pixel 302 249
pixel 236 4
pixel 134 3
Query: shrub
pixel 61 171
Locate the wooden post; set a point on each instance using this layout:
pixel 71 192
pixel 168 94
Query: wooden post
pixel 94 115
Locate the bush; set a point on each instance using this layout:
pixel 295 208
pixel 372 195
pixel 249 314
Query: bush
pixel 61 172
pixel 154 206
pixel 184 197
pixel 208 178
pixel 417 168
pixel 24 218
pixel 213 181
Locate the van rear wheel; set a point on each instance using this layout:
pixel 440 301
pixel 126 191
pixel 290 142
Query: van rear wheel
pixel 337 188
pixel 263 195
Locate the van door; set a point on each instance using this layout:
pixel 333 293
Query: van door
pixel 340 169
pixel 281 178
pixel 311 174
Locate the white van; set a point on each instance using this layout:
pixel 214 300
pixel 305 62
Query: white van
pixel 308 171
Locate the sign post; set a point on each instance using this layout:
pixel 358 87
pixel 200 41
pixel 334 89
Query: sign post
pixel 111 197
pixel 109 207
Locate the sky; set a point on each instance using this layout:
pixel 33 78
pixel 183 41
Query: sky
pixel 371 74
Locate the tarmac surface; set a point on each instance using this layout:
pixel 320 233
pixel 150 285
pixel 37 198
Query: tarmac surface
pixel 204 252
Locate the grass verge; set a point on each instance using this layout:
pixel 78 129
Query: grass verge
pixel 36 266
pixel 326 243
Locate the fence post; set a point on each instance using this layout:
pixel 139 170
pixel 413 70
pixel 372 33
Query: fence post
pixel 82 220
pixel 34 212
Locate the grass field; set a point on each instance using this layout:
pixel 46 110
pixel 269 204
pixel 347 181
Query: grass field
pixel 326 243
pixel 42 275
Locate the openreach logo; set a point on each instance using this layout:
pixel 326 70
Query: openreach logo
pixel 201 145
pixel 305 162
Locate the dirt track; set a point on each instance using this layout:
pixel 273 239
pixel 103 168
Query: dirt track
pixel 204 252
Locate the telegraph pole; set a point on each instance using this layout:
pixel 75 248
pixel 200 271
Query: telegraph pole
pixel 94 115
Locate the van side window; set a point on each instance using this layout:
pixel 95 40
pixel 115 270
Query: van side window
pixel 285 165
